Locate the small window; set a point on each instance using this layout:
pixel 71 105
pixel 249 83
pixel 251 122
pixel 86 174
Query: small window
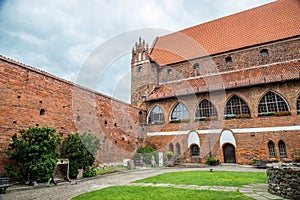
pixel 264 52
pixel 171 147
pixel 178 150
pixel 42 112
pixel 78 118
pixel 195 151
pixel 169 71
pixel 282 149
pixel 140 69
pixel 298 104
pixel 272 151
pixel 228 59
pixel 196 66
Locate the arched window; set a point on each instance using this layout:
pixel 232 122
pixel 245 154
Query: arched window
pixel 205 109
pixel 271 103
pixel 178 151
pixel 171 147
pixel 298 105
pixel 180 112
pixel 236 106
pixel 272 151
pixel 195 151
pixel 282 149
pixel 228 59
pixel 156 116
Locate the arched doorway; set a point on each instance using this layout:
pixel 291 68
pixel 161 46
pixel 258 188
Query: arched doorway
pixel 229 153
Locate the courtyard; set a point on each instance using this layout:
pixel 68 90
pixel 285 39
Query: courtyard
pixel 127 180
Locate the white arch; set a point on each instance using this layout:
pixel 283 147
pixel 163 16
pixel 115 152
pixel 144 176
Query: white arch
pixel 193 139
pixel 227 137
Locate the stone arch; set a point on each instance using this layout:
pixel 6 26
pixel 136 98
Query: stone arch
pixel 193 139
pixel 227 137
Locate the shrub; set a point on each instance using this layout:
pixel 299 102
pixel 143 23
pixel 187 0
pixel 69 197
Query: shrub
pixel 145 150
pixel 34 154
pixel 90 171
pixel 80 149
pixel 297 159
pixel 212 161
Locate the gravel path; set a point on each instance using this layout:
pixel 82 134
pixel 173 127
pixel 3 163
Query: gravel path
pixel 67 191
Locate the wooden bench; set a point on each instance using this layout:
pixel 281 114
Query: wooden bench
pixel 4 184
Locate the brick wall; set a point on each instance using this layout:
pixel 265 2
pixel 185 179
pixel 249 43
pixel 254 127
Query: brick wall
pixel 68 108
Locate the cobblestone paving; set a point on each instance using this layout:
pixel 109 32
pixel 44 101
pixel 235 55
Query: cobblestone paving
pixel 67 191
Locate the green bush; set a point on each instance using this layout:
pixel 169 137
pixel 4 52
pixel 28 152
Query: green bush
pixel 34 154
pixel 145 150
pixel 212 161
pixel 81 150
pixel 90 171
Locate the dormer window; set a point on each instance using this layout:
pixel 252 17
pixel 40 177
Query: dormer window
pixel 228 59
pixel 264 52
pixel 196 66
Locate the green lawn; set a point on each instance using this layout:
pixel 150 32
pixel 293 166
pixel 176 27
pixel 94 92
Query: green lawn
pixel 205 178
pixel 141 193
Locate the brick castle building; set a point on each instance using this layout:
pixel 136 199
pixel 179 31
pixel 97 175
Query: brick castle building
pixel 228 89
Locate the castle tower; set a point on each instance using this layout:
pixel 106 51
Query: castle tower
pixel 143 73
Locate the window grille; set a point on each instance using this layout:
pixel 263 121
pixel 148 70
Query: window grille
pixel 272 102
pixel 205 109
pixel 282 149
pixel 272 151
pixel 236 106
pixel 180 112
pixel 156 116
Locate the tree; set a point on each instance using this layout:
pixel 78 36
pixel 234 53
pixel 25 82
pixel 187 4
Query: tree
pixel 34 154
pixel 81 150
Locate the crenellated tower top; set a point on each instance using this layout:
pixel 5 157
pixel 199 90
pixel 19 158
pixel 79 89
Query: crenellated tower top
pixel 140 53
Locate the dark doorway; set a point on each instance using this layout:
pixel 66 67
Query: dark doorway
pixel 229 153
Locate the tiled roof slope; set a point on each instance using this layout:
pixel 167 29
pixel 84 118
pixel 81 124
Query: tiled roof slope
pixel 236 79
pixel 270 22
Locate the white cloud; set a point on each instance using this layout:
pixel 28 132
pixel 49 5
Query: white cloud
pixel 59 36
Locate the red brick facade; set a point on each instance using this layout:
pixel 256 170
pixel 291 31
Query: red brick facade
pixel 182 71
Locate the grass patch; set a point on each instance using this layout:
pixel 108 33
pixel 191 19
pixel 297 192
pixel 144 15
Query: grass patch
pixel 141 193
pixel 108 170
pixel 204 178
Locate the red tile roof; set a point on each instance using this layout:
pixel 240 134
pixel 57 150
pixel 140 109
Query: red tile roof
pixel 248 77
pixel 270 22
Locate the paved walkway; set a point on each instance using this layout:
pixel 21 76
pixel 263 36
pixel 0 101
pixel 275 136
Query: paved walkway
pixel 67 191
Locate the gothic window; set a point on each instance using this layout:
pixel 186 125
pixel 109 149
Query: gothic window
pixel 205 109
pixel 272 151
pixel 236 106
pixel 228 59
pixel 272 102
pixel 195 150
pixel 264 52
pixel 282 149
pixel 156 116
pixel 171 147
pixel 298 104
pixel 180 112
pixel 178 151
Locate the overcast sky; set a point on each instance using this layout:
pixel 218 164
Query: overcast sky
pixel 90 42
